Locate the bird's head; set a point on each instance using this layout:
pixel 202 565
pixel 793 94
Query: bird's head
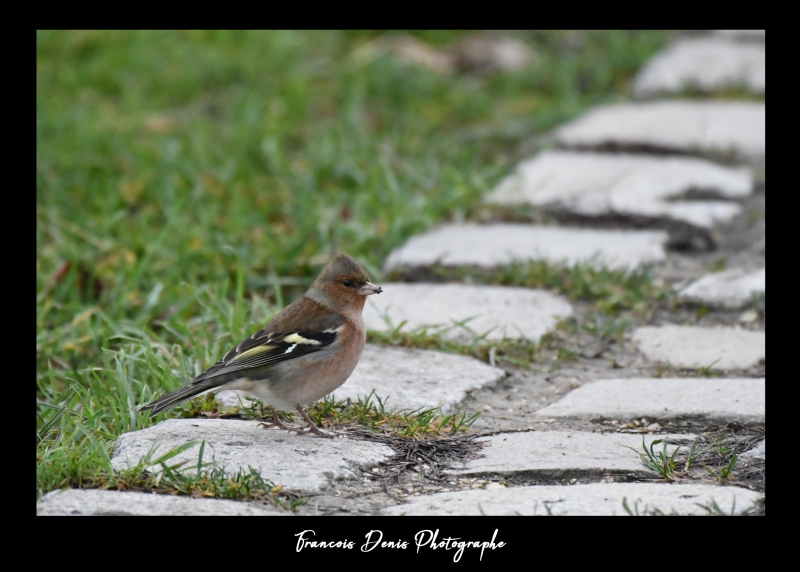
pixel 344 281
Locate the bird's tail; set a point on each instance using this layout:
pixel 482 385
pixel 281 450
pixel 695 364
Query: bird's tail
pixel 179 396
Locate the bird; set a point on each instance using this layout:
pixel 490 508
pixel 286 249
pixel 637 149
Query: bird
pixel 305 351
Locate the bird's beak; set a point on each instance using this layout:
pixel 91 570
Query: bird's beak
pixel 369 288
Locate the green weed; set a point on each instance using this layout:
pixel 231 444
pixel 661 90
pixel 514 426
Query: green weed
pixel 718 265
pixel 660 462
pixel 371 411
pixel 724 473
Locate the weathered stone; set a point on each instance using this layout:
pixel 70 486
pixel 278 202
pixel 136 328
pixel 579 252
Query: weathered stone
pixel 414 378
pixel 77 502
pixel 499 310
pixel 714 127
pixel 731 289
pixel 636 186
pixel 757 452
pixel 408 379
pixel 558 454
pixel 693 347
pixel 706 64
pixel 743 34
pixel 662 398
pixel 300 463
pixel 597 499
pixel 501 244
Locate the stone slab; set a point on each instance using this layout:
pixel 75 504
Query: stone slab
pixel 558 454
pixel 493 245
pixel 706 64
pixel 706 127
pixel 663 398
pixel 604 184
pixel 597 499
pixel 743 34
pixel 407 378
pixel 300 463
pixel 731 289
pixel 502 311
pixel 81 502
pixel 693 347
pixel 757 452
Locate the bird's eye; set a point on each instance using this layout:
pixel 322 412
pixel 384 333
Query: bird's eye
pixel 347 282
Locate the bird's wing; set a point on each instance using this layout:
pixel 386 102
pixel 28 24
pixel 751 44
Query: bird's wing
pixel 300 329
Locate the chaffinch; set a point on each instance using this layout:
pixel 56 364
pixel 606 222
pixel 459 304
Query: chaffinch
pixel 307 350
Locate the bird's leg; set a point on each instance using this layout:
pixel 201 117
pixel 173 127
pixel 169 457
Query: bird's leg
pixel 275 421
pixel 311 426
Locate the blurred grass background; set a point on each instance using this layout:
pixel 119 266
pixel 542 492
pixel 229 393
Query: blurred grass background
pixel 189 183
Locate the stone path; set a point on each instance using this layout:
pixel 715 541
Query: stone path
pixel 705 64
pixel 563 433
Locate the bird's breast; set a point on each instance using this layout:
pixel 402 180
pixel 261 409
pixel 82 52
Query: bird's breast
pixel 324 371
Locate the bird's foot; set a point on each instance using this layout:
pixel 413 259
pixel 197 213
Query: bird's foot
pixel 275 422
pixel 312 428
pixel 315 430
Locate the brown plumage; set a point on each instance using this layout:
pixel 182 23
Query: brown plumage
pixel 305 352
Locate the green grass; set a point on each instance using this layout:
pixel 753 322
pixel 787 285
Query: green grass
pixel 721 452
pixel 371 412
pixel 659 462
pixel 711 508
pixel 190 184
pixel 724 473
pixel 737 92
pixel 718 265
